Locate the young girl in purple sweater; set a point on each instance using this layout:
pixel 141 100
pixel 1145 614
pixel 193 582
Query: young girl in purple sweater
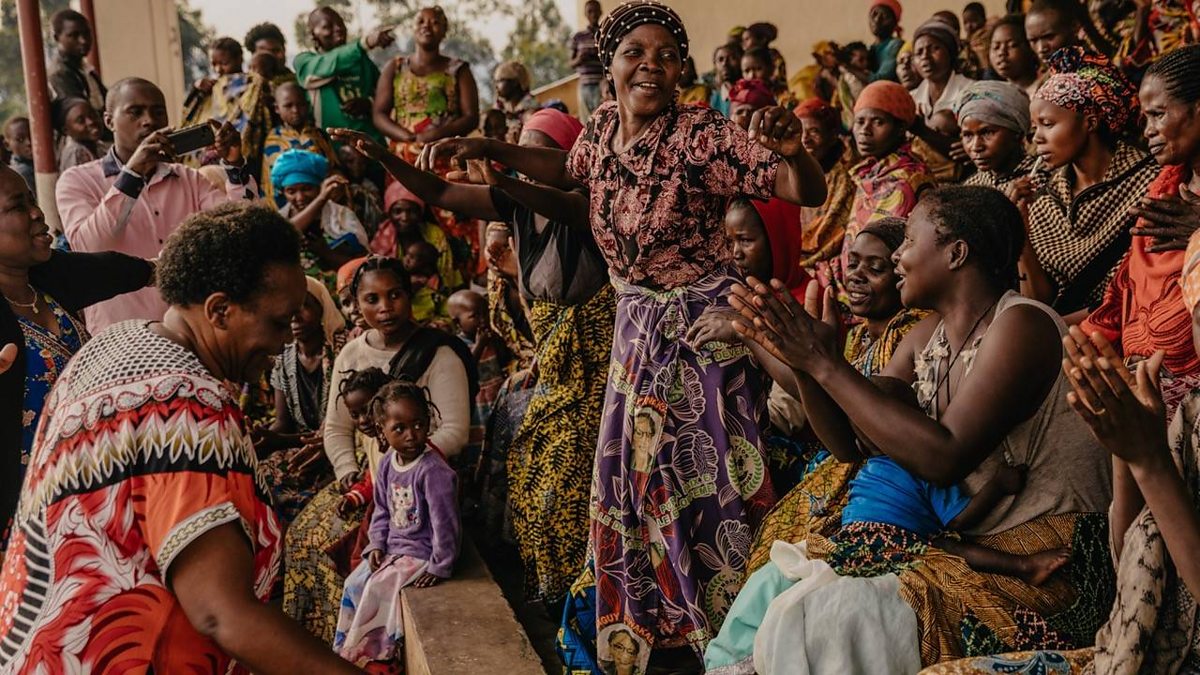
pixel 414 532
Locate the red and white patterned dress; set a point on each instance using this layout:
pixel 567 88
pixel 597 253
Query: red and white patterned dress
pixel 139 452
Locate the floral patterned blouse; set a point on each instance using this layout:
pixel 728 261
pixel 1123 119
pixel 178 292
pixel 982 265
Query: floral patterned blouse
pixel 658 208
pixel 46 354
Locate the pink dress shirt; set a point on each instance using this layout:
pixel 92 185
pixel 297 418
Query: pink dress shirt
pixel 107 208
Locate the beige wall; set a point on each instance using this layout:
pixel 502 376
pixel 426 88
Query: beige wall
pixel 141 38
pixel 800 22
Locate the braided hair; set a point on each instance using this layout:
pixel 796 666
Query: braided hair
pixel 1177 70
pixel 622 20
pixel 987 221
pixel 403 390
pixel 380 263
pixel 369 380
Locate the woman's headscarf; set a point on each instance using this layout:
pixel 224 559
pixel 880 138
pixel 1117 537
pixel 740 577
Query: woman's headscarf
pixel 298 167
pixel 1088 84
pixel 514 70
pixel 893 5
pixel 345 273
pixel 942 32
pixel 890 97
pixel 397 192
pixel 992 102
pixel 781 222
pixel 562 128
pixel 332 320
pixel 754 93
pixel 386 238
pixel 622 20
pixel 817 109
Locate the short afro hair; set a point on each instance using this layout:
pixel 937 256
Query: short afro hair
pixel 229 46
pixel 262 31
pixel 58 21
pixel 987 221
pixel 226 249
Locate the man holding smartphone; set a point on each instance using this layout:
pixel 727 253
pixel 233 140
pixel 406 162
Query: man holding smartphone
pixel 134 197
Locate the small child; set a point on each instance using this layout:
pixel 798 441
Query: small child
pixel 469 312
pixel 857 58
pixel 758 64
pixel 233 96
pixel 414 532
pixel 421 262
pixel 16 135
pixel 295 131
pixel 79 124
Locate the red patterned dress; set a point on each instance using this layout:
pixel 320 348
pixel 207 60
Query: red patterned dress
pixel 139 452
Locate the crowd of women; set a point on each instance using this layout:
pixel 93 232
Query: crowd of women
pixel 883 366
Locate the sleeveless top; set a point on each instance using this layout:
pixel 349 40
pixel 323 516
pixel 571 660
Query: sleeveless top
pixel 423 101
pixel 1068 470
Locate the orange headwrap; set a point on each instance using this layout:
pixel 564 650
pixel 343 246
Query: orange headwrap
pixel 890 97
pixel 345 273
pixel 893 5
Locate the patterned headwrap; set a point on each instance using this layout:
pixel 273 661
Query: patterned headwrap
pixel 942 32
pixel 298 167
pixel 514 70
pixel 754 93
pixel 1088 84
pixel 817 109
pixel 890 97
pixel 1189 281
pixel 992 102
pixel 622 20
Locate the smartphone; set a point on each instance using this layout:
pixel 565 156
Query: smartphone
pixel 191 139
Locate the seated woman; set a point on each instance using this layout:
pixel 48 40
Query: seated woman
pixel 394 343
pixel 45 290
pixel 1155 527
pixel 292 448
pixel 990 394
pixel 144 533
pixel 407 223
pixel 890 178
pixel 816 504
pixel 331 232
pixel 1141 312
pixel 993 118
pixel 825 225
pixel 935 57
pixel 1079 221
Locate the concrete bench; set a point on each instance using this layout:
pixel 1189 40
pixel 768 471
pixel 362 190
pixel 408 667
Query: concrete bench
pixel 465 625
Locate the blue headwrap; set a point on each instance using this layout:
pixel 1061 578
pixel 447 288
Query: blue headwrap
pixel 298 167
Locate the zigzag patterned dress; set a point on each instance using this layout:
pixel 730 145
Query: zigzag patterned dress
pixel 140 451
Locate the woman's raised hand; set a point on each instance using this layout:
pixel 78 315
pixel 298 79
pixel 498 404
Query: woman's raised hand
pixel 1125 411
pixel 363 144
pixel 771 317
pixel 452 151
pixel 778 130
pixel 1172 219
